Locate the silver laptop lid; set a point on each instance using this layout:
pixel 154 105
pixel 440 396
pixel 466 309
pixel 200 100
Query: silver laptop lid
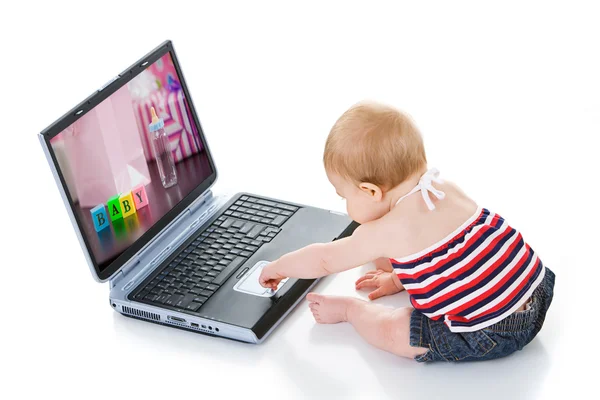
pixel 129 160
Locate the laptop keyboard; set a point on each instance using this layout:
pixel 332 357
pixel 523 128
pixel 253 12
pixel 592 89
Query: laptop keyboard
pixel 198 271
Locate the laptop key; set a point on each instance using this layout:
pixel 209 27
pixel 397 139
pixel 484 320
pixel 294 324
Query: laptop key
pixel 163 298
pixel 193 306
pixel 143 294
pixel 173 299
pixel 230 269
pixel 286 207
pixel 228 222
pixel 247 227
pixel 187 299
pixel 279 220
pixel 254 233
pixel 238 223
pixel 266 203
pixel 163 285
pixel 151 297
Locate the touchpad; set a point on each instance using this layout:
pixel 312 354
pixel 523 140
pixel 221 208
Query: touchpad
pixel 249 282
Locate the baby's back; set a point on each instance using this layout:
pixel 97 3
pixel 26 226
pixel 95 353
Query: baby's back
pixel 421 228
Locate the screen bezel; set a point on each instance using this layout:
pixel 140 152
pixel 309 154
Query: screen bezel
pixel 81 109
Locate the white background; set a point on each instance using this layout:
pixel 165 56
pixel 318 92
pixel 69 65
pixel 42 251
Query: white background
pixel 507 97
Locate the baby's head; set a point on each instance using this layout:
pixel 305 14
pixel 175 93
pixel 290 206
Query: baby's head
pixel 371 149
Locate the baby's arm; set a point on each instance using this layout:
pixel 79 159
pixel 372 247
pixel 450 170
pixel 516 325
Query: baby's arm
pixel 317 260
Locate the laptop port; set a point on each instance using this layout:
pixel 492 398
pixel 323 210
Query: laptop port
pixel 176 319
pixel 194 325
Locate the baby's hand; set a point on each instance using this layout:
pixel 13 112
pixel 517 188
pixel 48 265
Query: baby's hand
pixel 385 283
pixel 269 278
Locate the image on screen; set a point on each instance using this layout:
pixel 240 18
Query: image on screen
pixel 111 159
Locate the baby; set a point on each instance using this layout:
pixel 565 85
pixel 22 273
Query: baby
pixel 478 291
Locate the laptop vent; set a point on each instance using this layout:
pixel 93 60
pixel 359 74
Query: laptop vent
pixel 140 313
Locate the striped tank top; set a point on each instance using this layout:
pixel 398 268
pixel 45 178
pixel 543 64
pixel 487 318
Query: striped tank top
pixel 476 276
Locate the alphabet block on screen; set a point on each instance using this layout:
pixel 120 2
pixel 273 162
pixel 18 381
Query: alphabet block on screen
pixel 114 208
pixel 127 205
pixel 99 217
pixel 140 197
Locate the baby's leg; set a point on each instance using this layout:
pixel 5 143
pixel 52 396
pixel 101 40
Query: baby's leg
pixel 382 327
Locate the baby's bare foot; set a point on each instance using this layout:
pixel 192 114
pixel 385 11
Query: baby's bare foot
pixel 329 309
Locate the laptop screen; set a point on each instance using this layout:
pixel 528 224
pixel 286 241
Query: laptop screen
pixel 130 159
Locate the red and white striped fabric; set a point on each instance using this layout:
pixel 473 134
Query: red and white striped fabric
pixel 172 107
pixel 475 277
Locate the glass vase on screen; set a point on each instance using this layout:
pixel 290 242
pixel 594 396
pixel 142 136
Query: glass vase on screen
pixel 162 151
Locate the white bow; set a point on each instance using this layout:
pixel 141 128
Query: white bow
pixel 425 184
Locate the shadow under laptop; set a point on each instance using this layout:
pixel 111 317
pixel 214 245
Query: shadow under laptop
pixel 162 338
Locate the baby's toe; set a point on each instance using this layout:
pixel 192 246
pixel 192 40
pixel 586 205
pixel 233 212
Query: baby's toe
pixel 315 297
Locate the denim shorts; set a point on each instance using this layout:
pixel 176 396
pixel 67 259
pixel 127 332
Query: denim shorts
pixel 499 340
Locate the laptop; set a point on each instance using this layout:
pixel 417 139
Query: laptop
pixel 135 172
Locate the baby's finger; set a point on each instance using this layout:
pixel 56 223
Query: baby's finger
pixel 372 282
pixel 362 278
pixel 375 294
pixel 366 276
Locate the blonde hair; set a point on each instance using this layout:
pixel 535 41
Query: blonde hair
pixel 374 143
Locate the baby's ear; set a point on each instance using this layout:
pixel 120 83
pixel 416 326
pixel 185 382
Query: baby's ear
pixel 373 191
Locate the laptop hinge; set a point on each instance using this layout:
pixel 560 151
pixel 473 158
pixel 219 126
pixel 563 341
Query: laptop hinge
pixel 131 266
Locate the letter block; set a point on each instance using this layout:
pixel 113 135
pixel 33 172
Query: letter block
pixel 114 208
pixel 99 217
pixel 127 205
pixel 140 197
